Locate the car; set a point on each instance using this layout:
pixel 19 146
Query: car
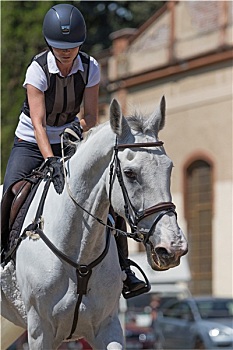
pixel 139 333
pixel 196 323
pixel 140 338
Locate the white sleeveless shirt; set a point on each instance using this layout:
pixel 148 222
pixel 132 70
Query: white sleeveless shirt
pixel 35 76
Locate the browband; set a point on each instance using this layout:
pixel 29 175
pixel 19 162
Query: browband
pixel 144 144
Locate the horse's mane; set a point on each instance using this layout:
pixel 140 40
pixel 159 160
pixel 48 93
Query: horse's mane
pixel 94 130
pixel 136 122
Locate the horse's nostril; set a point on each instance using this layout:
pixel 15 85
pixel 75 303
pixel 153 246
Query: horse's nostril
pixel 162 253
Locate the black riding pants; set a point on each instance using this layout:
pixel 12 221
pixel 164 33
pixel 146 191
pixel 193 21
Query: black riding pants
pixel 25 157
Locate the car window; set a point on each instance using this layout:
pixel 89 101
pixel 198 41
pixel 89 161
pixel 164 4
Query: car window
pixel 179 310
pixel 215 308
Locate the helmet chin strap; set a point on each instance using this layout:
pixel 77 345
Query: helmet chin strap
pixel 51 49
pixel 78 52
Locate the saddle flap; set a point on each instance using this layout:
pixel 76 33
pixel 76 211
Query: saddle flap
pixel 21 190
pixel 12 200
pixel 5 213
pixel 17 186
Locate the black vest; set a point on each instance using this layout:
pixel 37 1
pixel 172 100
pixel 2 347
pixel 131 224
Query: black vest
pixel 63 96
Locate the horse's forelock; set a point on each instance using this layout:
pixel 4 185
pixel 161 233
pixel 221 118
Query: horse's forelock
pixel 139 123
pixel 136 122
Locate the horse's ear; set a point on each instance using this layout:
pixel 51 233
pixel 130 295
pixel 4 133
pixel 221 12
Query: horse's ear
pixel 162 112
pixel 116 117
pixel 117 120
pixel 156 121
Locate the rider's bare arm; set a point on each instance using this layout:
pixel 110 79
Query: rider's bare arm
pixel 36 102
pixel 90 118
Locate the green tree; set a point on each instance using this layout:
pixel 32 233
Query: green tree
pixel 21 38
pixel 105 17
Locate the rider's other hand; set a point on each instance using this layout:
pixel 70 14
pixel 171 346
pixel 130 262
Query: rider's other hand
pixel 56 170
pixel 76 132
pixel 71 136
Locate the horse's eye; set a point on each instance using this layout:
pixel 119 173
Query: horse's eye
pixel 130 174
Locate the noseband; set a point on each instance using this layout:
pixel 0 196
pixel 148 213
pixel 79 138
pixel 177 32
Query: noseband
pixel 132 215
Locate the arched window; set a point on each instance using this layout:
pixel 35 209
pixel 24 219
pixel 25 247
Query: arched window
pixel 199 219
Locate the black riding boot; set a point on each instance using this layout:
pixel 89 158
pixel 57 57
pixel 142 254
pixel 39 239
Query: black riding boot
pixel 132 283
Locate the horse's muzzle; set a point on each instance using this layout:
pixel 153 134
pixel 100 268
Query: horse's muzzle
pixel 164 259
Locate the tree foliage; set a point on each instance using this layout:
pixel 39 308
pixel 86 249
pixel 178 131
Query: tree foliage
pixel 21 38
pixel 105 17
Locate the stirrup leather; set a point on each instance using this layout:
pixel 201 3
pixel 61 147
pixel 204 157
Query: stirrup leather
pixel 145 289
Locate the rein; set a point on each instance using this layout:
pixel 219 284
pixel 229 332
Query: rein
pixel 100 221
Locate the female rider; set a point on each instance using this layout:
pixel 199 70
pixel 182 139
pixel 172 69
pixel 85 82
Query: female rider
pixel 56 83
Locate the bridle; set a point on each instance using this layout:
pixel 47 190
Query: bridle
pixel 132 215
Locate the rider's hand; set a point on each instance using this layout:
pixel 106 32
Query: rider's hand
pixel 71 136
pixel 56 170
pixel 76 132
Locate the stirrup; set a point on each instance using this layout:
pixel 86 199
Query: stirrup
pixel 145 289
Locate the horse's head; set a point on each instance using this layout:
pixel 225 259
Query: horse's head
pixel 142 193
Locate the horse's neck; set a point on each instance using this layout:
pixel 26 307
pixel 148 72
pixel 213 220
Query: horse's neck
pixel 87 173
pixel 89 166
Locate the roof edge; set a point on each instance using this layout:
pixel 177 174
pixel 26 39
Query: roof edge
pixel 150 21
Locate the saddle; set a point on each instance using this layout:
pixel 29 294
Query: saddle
pixel 14 205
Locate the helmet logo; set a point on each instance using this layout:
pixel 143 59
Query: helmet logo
pixel 65 29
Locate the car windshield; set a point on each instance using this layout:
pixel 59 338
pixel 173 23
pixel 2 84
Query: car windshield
pixel 215 308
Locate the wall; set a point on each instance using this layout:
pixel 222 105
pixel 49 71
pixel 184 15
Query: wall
pixel 185 53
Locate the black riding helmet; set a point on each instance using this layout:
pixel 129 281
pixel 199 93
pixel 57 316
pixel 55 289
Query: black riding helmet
pixel 64 27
